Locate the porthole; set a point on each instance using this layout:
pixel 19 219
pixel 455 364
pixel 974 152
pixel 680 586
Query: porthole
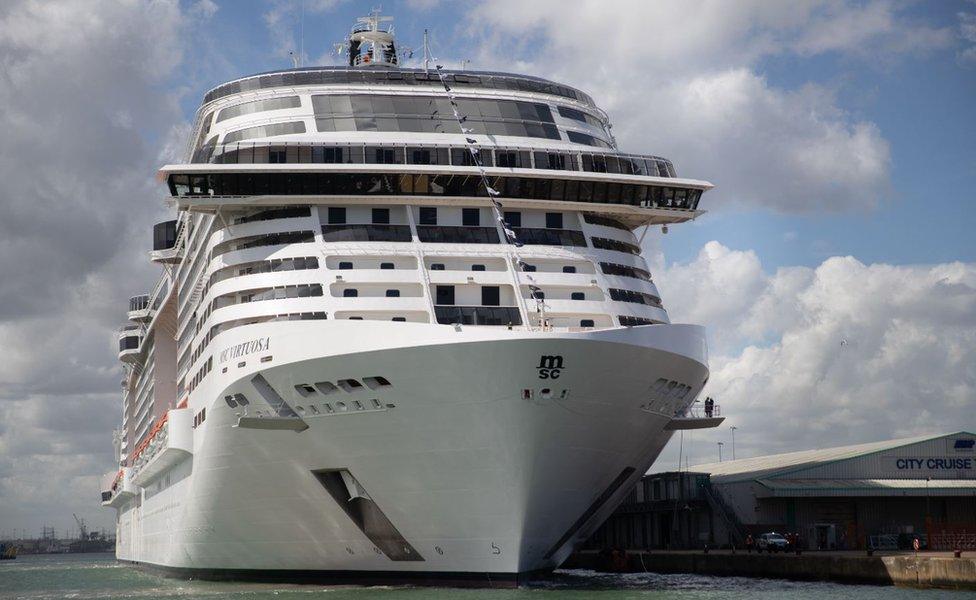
pixel 545 393
pixel 375 382
pixel 304 390
pixel 349 385
pixel 325 388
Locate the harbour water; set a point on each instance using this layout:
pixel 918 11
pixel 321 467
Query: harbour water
pixel 98 576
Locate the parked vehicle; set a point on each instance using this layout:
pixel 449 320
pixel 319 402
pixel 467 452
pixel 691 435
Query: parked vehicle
pixel 772 542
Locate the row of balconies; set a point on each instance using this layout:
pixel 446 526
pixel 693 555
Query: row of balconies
pixel 168 443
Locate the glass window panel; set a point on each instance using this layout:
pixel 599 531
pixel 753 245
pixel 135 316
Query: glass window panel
pixel 409 124
pixel 383 105
pixel 362 105
pixel 341 105
pixel 387 124
pixel 491 108
pixel 322 105
pixel 365 124
pixel 344 124
pixel 557 189
pixel 509 109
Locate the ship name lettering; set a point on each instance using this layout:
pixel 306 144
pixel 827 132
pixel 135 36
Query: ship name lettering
pixel 258 345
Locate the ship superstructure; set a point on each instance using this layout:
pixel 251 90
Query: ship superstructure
pixel 404 329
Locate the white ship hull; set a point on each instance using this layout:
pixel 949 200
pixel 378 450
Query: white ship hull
pixel 477 481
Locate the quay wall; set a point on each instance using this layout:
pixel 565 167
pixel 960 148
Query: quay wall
pixel 904 570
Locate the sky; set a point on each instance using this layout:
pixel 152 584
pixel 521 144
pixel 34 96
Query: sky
pixel 835 268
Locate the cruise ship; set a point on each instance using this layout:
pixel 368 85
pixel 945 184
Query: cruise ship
pixel 403 330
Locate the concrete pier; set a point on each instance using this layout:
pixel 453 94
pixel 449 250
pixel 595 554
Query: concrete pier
pixel 933 569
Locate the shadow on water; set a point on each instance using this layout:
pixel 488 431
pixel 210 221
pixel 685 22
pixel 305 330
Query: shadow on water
pixel 99 576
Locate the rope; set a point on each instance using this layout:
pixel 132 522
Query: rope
pixel 510 235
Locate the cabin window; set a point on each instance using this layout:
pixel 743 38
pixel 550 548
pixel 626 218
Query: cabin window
pixel 326 387
pixel 578 296
pixel 471 217
pixel 490 295
pixel 586 323
pixel 337 215
pixel 569 269
pixel 345 265
pixel 477 267
pixel 513 218
pixel 381 216
pixel 437 267
pixel 428 215
pixel 387 266
pixel 400 319
pixel 445 295
pixel 392 293
pixel 554 220
pixel 350 293
pixel 304 389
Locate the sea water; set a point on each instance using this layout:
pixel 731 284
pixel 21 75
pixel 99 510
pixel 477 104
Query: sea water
pixel 96 576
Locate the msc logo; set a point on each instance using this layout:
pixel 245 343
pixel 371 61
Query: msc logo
pixel 550 367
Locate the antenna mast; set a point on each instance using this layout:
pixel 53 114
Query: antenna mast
pixel 426 53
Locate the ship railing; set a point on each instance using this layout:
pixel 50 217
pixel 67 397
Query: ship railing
pixel 514 157
pixel 695 411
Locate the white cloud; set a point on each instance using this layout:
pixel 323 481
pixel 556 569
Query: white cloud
pixel 87 98
pixel 683 79
pixel 845 352
pixel 967 32
pixel 284 23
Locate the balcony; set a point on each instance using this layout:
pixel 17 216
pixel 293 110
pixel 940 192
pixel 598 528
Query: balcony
pixel 169 442
pixel 365 233
pixel 478 315
pixel 139 310
pixel 117 488
pixel 695 418
pixel 130 343
pixel 166 246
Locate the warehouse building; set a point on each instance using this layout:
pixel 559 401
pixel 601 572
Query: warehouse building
pixel 880 495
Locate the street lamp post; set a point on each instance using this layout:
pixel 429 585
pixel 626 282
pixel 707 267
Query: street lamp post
pixel 733 428
pixel 720 444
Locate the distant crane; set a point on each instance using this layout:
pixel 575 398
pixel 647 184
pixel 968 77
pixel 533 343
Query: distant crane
pixel 82 528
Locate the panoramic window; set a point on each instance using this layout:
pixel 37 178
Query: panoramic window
pixel 431 114
pixel 259 106
pixel 263 131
